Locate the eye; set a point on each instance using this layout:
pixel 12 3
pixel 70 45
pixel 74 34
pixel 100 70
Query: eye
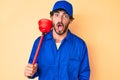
pixel 56 14
pixel 66 16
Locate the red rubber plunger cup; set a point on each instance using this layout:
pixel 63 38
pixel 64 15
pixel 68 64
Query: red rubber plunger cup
pixel 45 26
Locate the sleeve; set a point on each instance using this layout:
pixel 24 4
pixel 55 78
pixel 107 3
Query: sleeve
pixel 34 48
pixel 84 71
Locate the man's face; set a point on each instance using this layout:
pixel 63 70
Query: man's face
pixel 61 21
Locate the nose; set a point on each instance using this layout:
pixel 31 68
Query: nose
pixel 60 18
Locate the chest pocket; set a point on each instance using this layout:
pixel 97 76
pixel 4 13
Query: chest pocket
pixel 47 55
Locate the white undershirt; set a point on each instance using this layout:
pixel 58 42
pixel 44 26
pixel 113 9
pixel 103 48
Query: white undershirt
pixel 58 45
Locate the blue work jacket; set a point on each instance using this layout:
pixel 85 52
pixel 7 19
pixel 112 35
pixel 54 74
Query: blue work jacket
pixel 69 62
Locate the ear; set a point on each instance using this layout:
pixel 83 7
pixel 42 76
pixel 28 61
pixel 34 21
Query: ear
pixel 71 20
pixel 51 17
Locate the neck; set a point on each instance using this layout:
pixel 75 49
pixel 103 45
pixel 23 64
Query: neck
pixel 59 38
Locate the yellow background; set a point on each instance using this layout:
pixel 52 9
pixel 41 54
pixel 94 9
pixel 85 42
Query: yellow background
pixel 96 21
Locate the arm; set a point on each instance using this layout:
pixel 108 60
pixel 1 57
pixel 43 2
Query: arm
pixel 34 48
pixel 84 72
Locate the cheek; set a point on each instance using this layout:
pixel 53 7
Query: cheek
pixel 66 23
pixel 55 22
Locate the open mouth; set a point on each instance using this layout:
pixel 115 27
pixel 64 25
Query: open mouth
pixel 60 27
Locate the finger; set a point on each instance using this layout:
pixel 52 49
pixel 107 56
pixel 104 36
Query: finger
pixel 35 66
pixel 32 69
pixel 30 65
pixel 29 72
pixel 28 68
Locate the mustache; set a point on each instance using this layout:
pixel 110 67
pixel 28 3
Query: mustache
pixel 60 23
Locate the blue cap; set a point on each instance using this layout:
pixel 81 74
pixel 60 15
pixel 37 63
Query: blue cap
pixel 63 5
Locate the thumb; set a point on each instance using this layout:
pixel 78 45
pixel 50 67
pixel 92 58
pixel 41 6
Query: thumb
pixel 35 65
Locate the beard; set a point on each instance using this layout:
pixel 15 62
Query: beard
pixel 61 31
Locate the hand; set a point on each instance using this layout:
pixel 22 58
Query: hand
pixel 30 70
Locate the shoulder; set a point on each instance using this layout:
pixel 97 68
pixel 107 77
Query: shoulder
pixel 77 40
pixel 36 41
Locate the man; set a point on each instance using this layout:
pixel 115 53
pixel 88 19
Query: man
pixel 63 55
